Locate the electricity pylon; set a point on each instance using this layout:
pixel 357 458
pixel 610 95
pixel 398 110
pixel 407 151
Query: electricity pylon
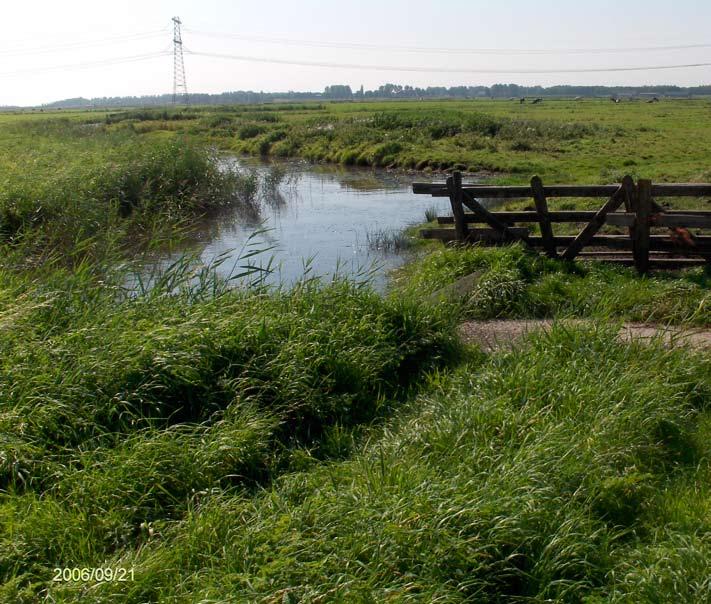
pixel 180 86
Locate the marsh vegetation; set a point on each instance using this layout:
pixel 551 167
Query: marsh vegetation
pixel 326 442
pixel 589 141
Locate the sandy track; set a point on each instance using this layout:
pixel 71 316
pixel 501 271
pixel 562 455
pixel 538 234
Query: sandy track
pixel 495 335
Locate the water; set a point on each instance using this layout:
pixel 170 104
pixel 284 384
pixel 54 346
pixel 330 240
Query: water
pixel 322 219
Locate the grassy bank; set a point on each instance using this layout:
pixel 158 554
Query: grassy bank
pixel 328 443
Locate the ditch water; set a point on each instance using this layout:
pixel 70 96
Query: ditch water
pixel 324 219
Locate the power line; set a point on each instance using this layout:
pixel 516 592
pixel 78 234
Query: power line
pixel 82 44
pixel 180 85
pixel 426 50
pixel 89 65
pixel 440 69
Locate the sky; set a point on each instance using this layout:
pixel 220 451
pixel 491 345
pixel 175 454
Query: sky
pixel 70 48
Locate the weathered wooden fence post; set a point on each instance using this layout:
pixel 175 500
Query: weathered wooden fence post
pixel 630 202
pixel 643 211
pixel 454 187
pixel 544 219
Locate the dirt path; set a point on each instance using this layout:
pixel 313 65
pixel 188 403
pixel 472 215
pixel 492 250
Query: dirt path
pixel 495 335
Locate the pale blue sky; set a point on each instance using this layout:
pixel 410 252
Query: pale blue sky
pixel 40 35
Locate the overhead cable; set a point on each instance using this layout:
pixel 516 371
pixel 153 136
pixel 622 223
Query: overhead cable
pixel 38 50
pixel 427 50
pixel 403 68
pixel 88 65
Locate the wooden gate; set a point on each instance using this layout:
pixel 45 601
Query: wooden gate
pixel 653 236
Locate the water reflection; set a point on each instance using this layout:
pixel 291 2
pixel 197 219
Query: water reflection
pixel 318 219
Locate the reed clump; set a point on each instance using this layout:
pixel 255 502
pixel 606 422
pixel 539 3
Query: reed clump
pixel 85 183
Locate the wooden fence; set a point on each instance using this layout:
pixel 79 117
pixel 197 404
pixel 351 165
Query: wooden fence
pixel 653 237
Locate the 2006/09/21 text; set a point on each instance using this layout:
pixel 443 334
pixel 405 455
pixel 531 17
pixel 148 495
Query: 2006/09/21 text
pixel 98 575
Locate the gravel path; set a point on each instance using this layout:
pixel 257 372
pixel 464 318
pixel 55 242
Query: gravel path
pixel 495 335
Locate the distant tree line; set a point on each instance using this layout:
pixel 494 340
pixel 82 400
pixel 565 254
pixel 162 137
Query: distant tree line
pixel 342 92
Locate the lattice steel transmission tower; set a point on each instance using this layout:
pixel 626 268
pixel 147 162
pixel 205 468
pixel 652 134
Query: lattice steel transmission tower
pixel 180 86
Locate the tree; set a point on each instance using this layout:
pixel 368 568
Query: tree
pixel 338 91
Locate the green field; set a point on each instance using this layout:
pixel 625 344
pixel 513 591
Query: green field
pixel 593 141
pixel 328 443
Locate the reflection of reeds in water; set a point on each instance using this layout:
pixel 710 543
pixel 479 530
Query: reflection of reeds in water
pixel 251 190
pixel 272 179
pixel 256 189
pixel 276 179
pixel 244 183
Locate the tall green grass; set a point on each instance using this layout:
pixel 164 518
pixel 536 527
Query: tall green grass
pixel 120 410
pixel 514 283
pixel 544 474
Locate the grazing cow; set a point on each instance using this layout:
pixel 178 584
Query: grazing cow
pixel 538 100
pixel 614 99
pixel 522 100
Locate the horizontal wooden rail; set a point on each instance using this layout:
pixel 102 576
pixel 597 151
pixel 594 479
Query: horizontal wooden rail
pixel 668 219
pixel 473 235
pixel 660 263
pixel 656 242
pixel 702 245
pixel 681 190
pixel 504 192
pixel 677 219
pixel 622 254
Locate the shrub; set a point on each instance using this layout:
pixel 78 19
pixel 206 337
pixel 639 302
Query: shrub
pixel 250 131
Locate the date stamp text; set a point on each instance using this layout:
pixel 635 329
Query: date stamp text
pixel 93 575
